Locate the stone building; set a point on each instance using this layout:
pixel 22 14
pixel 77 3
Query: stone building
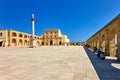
pixel 54 37
pixel 77 43
pixel 108 38
pixel 16 38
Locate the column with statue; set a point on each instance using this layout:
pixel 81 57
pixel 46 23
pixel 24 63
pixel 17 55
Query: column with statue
pixel 32 39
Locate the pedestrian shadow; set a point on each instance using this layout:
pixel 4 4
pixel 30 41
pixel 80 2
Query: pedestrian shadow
pixel 107 69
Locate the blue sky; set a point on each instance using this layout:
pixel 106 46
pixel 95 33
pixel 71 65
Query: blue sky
pixel 78 19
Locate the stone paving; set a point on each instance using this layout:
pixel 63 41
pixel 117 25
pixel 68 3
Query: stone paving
pixel 108 69
pixel 46 63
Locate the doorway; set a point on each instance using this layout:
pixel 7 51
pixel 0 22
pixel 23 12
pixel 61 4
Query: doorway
pixel 51 42
pixel 1 43
pixel 42 43
pixel 60 43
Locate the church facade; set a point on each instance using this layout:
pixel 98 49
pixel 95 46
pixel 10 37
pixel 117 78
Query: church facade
pixel 54 37
pixel 17 38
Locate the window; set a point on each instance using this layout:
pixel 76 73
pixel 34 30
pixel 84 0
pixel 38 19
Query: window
pixel 0 33
pixel 30 36
pixel 25 36
pixel 14 34
pixel 20 35
pixel 55 36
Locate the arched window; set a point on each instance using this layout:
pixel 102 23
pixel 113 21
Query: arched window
pixel 14 34
pixel 103 37
pixel 20 35
pixel 25 36
pixel 0 33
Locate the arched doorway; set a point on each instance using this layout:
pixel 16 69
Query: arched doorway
pixel 14 42
pixel 20 43
pixel 60 43
pixel 1 43
pixel 51 42
pixel 42 43
pixel 37 43
pixel 25 44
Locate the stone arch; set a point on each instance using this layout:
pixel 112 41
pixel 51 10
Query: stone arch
pixel 94 43
pixel 37 43
pixel 28 42
pixel 14 34
pixel 14 42
pixel 77 43
pixel 42 43
pixel 20 43
pixel 25 43
pixel 103 42
pixel 25 36
pixel 103 37
pixel 112 31
pixel 112 43
pixel 20 35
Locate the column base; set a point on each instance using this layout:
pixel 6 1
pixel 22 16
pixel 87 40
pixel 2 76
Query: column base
pixel 33 43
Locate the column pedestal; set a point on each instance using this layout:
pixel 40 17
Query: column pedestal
pixel 32 43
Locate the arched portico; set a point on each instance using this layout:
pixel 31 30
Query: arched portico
pixel 14 42
pixel 20 43
pixel 112 43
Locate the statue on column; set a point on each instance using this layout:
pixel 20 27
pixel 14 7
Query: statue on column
pixel 32 39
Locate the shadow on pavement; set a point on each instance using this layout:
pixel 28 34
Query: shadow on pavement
pixel 108 69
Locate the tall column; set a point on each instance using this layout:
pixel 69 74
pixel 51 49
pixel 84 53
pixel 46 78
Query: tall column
pixel 32 39
pixel 33 19
pixel 118 39
pixel 107 43
pixel 118 52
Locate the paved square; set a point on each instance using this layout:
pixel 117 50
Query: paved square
pixel 46 63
